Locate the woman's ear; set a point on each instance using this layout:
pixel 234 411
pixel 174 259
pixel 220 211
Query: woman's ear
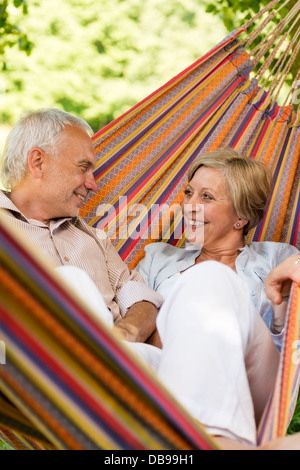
pixel 240 224
pixel 36 158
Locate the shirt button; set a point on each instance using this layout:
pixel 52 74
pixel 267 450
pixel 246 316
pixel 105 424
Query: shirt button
pixel 66 258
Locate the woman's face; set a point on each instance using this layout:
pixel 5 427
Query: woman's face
pixel 209 215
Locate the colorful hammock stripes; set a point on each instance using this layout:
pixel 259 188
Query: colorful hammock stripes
pixel 69 376
pixel 65 372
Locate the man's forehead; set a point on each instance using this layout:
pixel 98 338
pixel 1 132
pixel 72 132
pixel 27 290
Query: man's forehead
pixel 76 133
pixel 79 143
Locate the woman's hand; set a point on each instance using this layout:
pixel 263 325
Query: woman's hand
pixel 278 282
pixel 278 285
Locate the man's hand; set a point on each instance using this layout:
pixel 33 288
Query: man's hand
pixel 139 323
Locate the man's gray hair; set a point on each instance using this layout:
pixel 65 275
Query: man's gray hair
pixel 40 129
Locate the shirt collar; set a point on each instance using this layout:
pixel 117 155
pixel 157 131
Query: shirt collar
pixel 242 258
pixel 6 203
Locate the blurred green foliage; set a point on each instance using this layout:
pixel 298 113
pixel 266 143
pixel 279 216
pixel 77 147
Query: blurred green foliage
pixel 10 33
pixel 235 13
pixel 97 58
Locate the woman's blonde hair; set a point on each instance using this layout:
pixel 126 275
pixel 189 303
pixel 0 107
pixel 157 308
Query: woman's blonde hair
pixel 248 182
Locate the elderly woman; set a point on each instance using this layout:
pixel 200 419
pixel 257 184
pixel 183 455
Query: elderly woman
pixel 225 198
pixel 217 356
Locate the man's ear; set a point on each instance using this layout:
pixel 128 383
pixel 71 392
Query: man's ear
pixel 36 158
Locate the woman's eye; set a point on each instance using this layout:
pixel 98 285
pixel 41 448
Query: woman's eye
pixel 187 192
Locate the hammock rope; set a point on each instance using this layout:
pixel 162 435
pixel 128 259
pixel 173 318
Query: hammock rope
pixel 266 9
pixel 283 54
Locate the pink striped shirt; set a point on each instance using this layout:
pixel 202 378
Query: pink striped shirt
pixel 71 241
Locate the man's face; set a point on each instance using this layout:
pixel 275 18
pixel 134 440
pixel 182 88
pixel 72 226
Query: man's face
pixel 68 177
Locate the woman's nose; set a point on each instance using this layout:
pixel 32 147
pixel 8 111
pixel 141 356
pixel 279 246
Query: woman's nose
pixel 194 204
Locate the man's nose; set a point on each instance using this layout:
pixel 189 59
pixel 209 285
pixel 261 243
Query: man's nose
pixel 91 183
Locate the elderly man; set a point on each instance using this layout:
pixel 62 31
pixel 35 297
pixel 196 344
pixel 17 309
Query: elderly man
pixel 48 168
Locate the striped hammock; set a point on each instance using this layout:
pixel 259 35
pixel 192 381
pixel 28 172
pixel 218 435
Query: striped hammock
pixel 74 384
pixel 51 338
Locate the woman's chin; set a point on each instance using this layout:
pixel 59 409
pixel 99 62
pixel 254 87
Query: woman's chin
pixel 196 241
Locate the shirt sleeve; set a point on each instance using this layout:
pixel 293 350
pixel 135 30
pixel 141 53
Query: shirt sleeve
pixel 285 251
pixel 129 286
